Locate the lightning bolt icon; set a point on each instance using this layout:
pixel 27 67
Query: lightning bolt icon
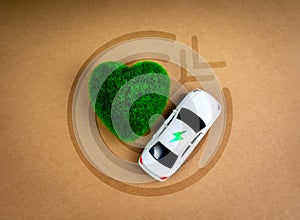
pixel 177 136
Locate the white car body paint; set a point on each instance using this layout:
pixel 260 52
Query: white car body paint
pixel 178 138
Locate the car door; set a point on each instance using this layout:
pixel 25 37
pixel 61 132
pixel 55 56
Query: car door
pixel 189 149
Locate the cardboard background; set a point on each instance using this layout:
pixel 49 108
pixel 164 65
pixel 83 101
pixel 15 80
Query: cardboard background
pixel 43 46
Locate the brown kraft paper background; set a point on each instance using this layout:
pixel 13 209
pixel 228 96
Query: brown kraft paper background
pixel 44 44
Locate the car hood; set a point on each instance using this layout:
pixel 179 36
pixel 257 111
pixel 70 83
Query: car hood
pixel 204 105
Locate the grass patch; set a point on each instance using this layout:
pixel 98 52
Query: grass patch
pixel 129 95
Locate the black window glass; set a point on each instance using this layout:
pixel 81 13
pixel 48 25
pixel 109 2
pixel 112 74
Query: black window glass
pixel 191 119
pixel 163 155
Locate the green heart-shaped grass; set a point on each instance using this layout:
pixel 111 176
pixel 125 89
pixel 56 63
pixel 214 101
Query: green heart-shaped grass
pixel 113 84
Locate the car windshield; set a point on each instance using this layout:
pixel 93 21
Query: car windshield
pixel 163 155
pixel 191 119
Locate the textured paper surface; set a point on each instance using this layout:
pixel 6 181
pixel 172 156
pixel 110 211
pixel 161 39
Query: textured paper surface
pixel 43 46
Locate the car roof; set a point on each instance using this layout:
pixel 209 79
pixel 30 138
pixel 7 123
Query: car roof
pixel 177 136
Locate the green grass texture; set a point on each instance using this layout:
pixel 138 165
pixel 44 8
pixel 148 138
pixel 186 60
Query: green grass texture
pixel 114 84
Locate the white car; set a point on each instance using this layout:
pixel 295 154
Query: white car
pixel 179 135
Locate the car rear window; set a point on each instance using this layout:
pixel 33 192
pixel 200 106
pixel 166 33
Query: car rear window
pixel 191 119
pixel 163 155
